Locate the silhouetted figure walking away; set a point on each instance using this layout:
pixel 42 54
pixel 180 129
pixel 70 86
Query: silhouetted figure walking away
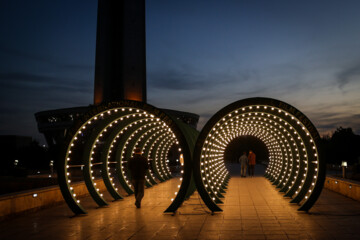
pixel 244 162
pixel 252 162
pixel 138 165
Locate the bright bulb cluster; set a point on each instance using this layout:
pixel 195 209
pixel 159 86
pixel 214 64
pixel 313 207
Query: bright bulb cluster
pixel 293 156
pixel 108 139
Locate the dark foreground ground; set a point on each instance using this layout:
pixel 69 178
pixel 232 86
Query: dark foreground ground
pixel 253 209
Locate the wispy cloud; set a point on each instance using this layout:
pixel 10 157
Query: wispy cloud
pixel 348 75
pixel 26 55
pixel 20 78
pixel 45 59
pixel 25 80
pixel 190 78
pixel 327 122
pixel 175 80
pixel 254 92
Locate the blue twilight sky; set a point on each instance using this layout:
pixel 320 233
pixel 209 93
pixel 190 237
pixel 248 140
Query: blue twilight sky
pixel 201 56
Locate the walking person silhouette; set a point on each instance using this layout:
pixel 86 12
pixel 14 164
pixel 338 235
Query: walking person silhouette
pixel 138 165
pixel 244 162
pixel 252 162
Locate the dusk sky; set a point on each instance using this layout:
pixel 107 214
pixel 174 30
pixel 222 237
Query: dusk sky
pixel 201 56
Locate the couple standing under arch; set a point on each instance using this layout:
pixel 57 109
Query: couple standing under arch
pixel 247 162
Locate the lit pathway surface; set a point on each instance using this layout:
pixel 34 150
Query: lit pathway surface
pixel 253 209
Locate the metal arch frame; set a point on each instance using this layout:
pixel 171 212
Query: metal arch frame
pixel 147 135
pixel 274 181
pixel 136 141
pixel 80 130
pixel 89 148
pixel 154 144
pixel 105 166
pixel 309 132
pixel 185 192
pixel 126 141
pixel 121 144
pixel 160 148
pixel 157 163
pixel 147 147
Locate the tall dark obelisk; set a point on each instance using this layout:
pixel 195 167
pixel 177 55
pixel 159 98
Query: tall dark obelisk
pixel 120 68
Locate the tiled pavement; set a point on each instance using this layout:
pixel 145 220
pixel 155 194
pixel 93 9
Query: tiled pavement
pixel 253 209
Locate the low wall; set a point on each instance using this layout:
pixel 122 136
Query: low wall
pixel 345 187
pixel 32 200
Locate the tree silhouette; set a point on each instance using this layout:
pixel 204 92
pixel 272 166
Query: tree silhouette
pixel 343 145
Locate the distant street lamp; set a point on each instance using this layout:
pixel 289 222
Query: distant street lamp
pixel 344 165
pixel 51 167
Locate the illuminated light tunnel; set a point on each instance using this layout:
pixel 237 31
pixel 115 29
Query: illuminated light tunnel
pixel 103 140
pixel 292 141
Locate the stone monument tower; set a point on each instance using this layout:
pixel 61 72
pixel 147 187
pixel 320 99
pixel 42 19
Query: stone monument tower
pixel 120 68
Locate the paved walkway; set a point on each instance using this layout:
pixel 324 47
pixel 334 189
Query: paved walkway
pixel 253 209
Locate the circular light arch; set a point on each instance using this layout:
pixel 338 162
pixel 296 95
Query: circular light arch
pixel 295 167
pixel 108 134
